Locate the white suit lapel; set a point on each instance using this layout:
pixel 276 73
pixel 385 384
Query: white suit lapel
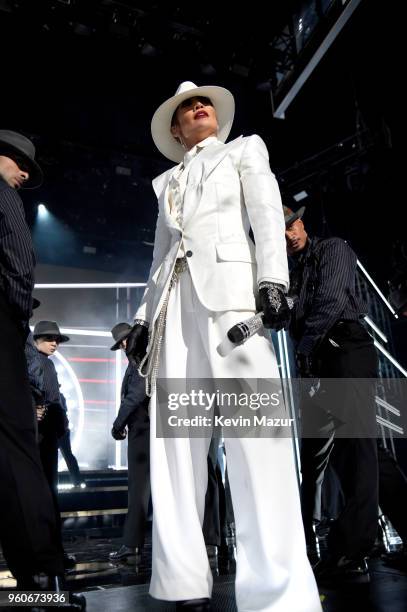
pixel 213 159
pixel 202 167
pixel 161 186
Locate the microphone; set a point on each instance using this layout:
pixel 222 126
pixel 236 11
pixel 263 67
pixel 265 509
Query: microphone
pixel 244 330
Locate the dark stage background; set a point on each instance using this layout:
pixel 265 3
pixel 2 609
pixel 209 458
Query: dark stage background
pixel 83 78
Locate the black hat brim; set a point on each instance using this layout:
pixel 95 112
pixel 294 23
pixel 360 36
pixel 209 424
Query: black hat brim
pixel 61 337
pixel 297 215
pixel 36 176
pixel 117 344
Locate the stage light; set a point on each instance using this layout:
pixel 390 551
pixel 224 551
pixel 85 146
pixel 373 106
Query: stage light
pixel 376 329
pixel 87 286
pixel 300 196
pixel 118 451
pixel 390 357
pixel 42 210
pixel 65 486
pixel 376 288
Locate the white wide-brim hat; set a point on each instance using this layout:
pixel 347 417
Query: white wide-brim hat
pixel 223 103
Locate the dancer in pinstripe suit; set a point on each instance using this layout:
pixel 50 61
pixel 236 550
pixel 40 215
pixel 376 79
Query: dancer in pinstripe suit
pixel 28 531
pixel 332 343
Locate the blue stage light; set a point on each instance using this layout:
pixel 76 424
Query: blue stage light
pixel 42 210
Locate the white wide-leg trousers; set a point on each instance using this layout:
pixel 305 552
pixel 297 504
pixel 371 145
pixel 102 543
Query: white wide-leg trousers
pixel 273 572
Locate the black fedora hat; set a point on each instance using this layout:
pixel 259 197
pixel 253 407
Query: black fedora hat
pixel 120 333
pixel 49 328
pixel 290 216
pixel 21 149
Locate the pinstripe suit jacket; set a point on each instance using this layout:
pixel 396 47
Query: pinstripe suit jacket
pixel 17 260
pixel 326 291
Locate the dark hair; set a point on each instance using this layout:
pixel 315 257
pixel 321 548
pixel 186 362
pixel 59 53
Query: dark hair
pixel 174 117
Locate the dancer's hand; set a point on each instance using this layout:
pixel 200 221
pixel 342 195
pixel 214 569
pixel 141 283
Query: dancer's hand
pixel 137 342
pixel 118 435
pixel 41 412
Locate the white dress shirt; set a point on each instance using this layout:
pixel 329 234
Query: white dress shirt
pixel 179 180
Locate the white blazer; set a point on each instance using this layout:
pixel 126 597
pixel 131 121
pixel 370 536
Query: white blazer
pixel 230 189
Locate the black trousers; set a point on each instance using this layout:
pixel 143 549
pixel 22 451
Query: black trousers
pixel 64 445
pixel 138 461
pixel 212 520
pixel 28 532
pixel 48 445
pixel 354 459
pixel 218 502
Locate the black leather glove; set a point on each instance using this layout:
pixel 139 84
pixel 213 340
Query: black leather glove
pixel 137 342
pixel 117 434
pixel 304 365
pixel 37 396
pixel 273 304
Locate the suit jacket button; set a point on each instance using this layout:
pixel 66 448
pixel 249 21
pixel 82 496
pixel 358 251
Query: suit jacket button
pixel 188 253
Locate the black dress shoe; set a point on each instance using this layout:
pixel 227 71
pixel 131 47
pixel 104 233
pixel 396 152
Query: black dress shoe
pixel 194 605
pixel 124 553
pixel 340 568
pixel 69 561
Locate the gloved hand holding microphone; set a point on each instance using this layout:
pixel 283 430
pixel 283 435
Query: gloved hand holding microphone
pixel 274 313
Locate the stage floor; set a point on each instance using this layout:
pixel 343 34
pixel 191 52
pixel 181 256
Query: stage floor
pixel 386 592
pixel 123 587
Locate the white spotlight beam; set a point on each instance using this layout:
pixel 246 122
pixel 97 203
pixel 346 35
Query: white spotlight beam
pixel 390 358
pixel 378 331
pixel 118 465
pixel 387 406
pixel 82 332
pixel 87 285
pixel 86 332
pixel 386 423
pixel 286 381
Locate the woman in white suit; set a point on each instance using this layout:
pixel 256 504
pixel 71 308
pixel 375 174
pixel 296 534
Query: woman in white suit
pixel 205 277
